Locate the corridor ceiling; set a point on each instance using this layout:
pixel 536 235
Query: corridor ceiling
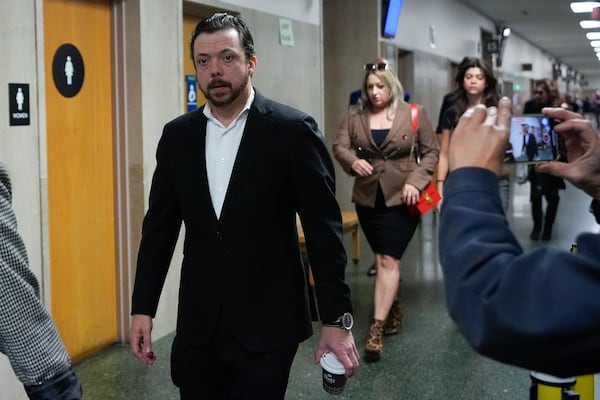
pixel 548 24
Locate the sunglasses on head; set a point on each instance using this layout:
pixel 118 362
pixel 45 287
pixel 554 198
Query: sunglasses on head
pixel 378 67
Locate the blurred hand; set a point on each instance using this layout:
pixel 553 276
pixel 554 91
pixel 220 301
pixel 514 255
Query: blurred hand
pixel 479 139
pixel 410 194
pixel 362 167
pixel 583 152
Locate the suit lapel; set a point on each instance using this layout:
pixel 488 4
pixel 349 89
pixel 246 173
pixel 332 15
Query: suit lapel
pixel 245 158
pixel 195 147
pixel 399 121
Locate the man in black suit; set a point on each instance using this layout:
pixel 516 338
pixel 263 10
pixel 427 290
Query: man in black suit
pixel 235 172
pixel 529 142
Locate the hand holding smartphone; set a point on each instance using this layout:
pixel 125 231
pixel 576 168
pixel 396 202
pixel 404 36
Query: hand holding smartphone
pixel 532 139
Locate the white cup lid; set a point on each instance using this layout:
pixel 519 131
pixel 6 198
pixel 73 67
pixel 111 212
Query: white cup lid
pixel 330 362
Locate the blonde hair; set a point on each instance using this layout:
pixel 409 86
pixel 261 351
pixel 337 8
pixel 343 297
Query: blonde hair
pixel 391 81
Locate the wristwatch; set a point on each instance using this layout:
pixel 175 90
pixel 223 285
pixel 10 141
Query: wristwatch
pixel 344 321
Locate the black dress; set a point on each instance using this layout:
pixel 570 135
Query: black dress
pixel 387 229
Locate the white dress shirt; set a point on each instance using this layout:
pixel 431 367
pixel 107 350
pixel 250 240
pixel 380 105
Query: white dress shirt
pixel 222 144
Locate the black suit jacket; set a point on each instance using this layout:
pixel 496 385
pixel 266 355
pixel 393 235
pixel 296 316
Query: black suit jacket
pixel 530 146
pixel 245 265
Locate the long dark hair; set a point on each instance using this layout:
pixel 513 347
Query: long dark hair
pixel 490 95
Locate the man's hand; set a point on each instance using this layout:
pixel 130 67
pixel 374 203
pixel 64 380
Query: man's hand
pixel 480 138
pixel 341 343
pixel 583 152
pixel 140 338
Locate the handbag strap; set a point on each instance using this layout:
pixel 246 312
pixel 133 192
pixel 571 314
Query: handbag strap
pixel 414 121
pixel 414 117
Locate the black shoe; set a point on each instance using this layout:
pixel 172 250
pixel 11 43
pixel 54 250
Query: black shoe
pixel 535 234
pixel 547 235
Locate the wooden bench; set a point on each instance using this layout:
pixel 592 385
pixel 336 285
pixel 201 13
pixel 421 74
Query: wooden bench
pixel 349 224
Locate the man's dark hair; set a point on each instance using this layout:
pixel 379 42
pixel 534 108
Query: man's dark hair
pixel 219 22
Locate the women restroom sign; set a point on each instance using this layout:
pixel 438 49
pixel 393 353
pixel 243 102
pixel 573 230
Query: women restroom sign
pixel 18 100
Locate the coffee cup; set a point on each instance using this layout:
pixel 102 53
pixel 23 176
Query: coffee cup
pixel 334 378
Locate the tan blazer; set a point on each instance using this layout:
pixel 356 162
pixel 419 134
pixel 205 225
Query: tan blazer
pixel 393 165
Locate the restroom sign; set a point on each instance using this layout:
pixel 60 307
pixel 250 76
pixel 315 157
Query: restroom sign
pixel 18 100
pixel 192 92
pixel 68 70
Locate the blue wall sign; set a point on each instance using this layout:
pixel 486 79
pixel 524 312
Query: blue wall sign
pixel 192 92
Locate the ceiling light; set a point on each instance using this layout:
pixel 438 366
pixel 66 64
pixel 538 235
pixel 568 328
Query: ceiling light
pixel 592 35
pixel 595 43
pixel 584 6
pixel 589 24
pixel 506 32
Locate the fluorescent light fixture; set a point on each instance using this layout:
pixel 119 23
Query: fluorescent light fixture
pixel 592 35
pixel 597 49
pixel 584 6
pixel 506 32
pixel 589 24
pixel 595 43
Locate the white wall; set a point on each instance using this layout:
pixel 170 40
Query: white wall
pixel 19 145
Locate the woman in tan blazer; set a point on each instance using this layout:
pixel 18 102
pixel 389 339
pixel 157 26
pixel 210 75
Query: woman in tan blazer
pixel 376 144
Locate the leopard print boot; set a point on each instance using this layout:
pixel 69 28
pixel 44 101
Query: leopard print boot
pixel 374 343
pixel 393 322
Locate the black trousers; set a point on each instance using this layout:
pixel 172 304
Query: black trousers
pixel 224 370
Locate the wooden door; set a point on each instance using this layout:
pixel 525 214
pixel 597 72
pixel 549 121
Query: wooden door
pixel 81 213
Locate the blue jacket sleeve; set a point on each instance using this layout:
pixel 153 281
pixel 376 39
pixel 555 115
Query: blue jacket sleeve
pixel 538 310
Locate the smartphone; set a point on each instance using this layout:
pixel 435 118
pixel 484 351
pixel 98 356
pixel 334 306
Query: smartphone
pixel 532 139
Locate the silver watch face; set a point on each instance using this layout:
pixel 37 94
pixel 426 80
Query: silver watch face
pixel 347 321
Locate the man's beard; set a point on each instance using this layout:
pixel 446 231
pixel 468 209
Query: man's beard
pixel 226 100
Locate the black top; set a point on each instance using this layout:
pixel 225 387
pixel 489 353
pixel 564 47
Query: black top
pixel 449 120
pixel 379 135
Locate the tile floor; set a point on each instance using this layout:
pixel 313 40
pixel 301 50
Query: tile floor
pixel 428 359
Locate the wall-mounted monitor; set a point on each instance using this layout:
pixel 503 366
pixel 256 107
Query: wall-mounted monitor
pixel 390 15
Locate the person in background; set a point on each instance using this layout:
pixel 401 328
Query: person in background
pixel 530 147
pixel 356 95
pixel 376 144
pixel 537 310
pixel 543 185
pixel 447 103
pixel 28 335
pixel 475 85
pixel 236 172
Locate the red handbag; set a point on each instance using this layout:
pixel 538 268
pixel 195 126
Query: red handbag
pixel 429 196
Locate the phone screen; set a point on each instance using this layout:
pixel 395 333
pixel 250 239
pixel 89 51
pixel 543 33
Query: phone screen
pixel 532 139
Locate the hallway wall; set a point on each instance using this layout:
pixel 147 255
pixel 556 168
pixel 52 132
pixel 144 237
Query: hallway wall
pixel 20 145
